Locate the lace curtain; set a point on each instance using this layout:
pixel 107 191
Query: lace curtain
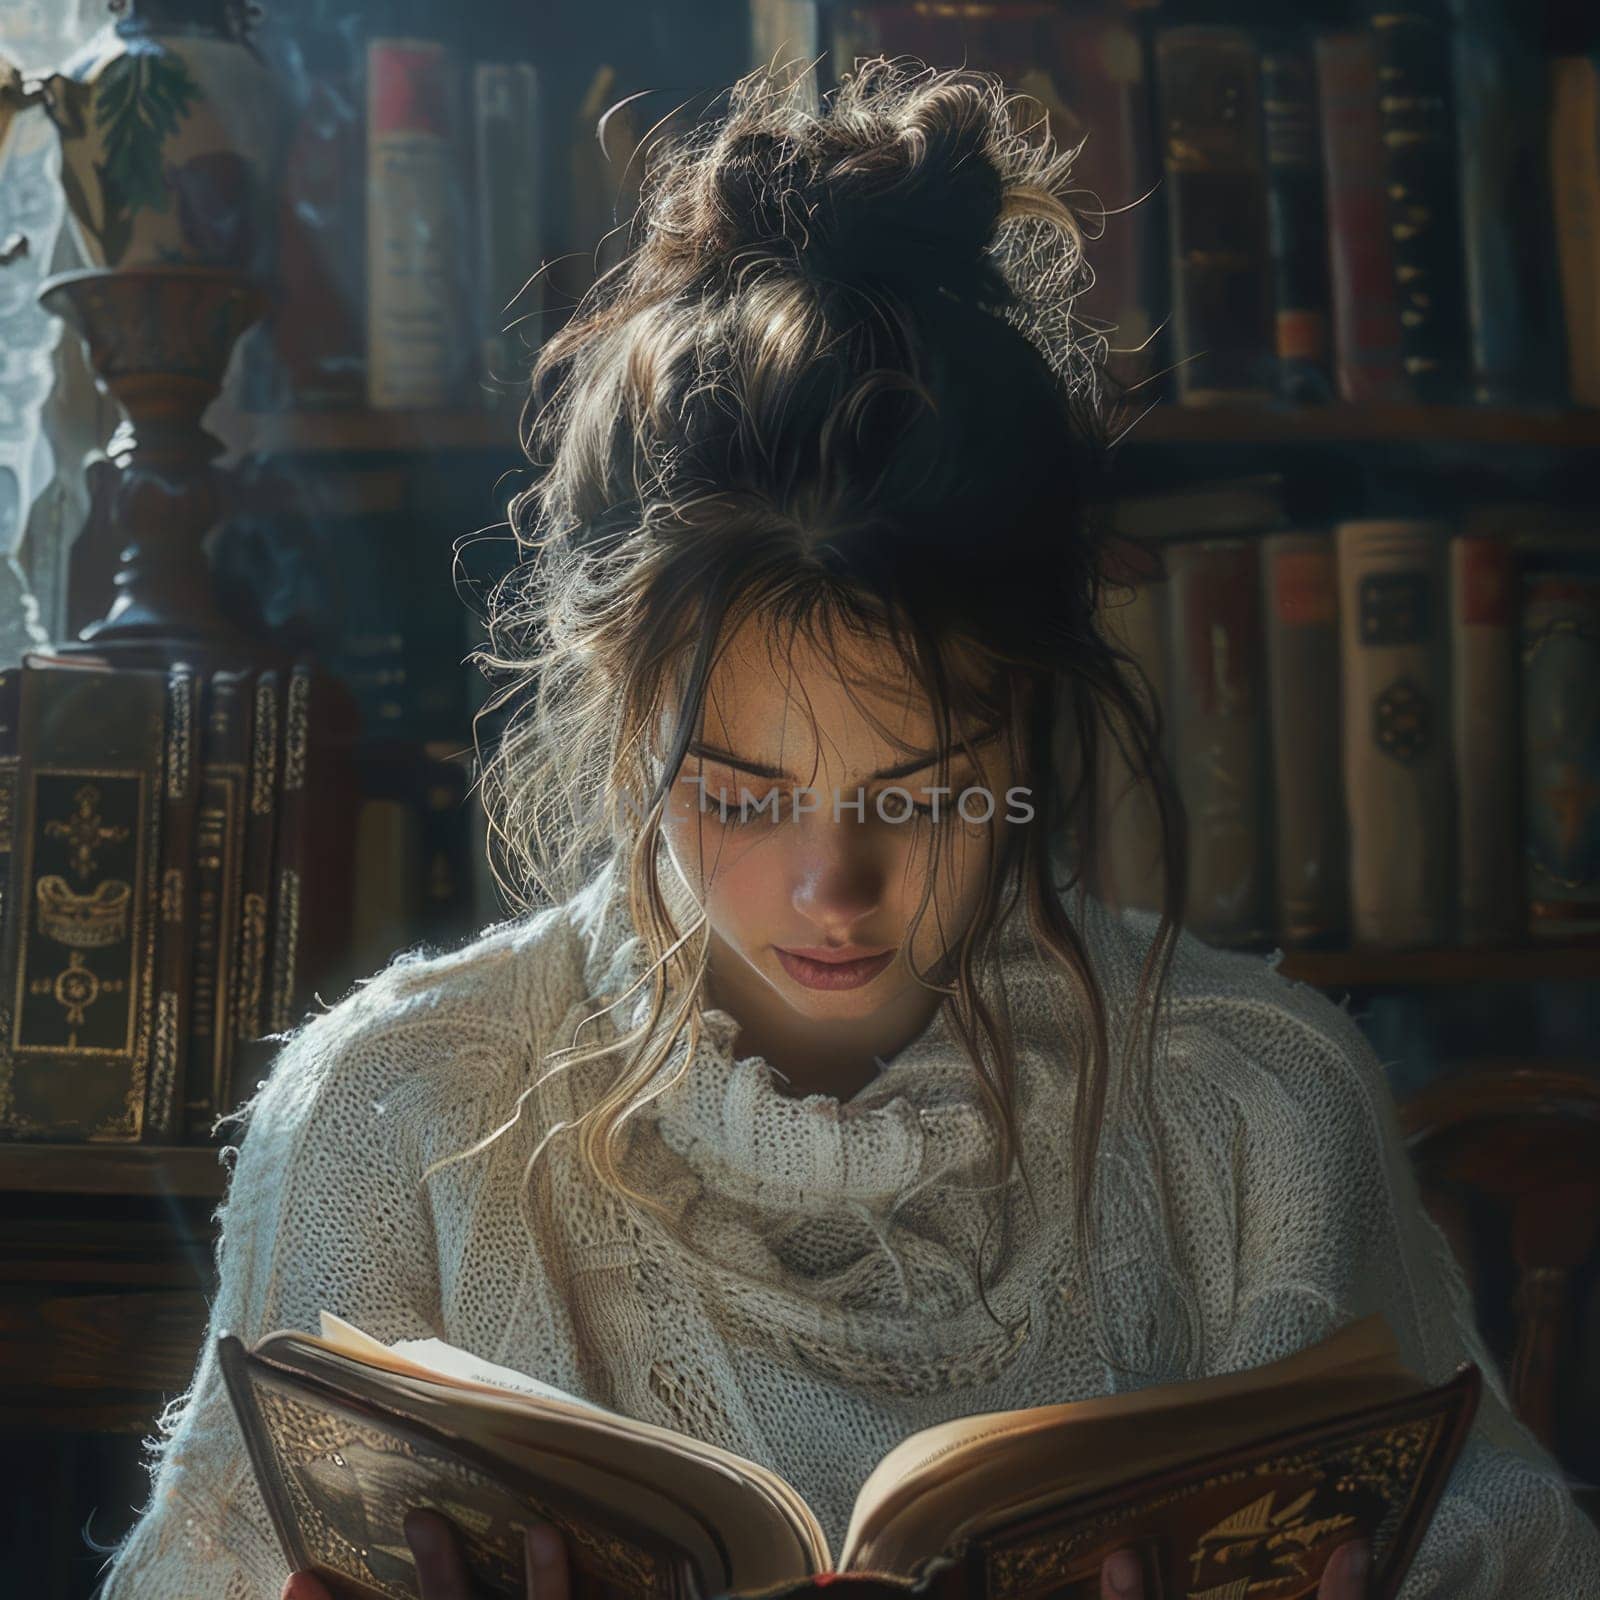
pixel 52 417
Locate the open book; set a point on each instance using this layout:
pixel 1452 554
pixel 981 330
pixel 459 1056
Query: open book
pixel 1226 1487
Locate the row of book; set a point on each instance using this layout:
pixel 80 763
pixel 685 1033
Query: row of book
pixel 411 219
pixel 1385 733
pixel 176 869
pixel 1401 211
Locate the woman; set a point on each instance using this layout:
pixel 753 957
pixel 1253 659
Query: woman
pixel 820 1101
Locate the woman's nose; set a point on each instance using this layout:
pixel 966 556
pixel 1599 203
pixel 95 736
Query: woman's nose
pixel 835 888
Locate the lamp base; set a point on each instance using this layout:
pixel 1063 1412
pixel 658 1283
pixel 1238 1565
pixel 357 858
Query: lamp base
pixel 159 340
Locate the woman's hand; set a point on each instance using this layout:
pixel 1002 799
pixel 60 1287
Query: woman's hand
pixel 1344 1577
pixel 442 1568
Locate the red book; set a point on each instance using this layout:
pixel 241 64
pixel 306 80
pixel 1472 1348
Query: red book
pixel 1366 313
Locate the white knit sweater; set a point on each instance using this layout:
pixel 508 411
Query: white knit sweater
pixel 827 1310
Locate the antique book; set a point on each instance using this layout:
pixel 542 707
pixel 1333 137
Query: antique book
pixel 252 1053
pixel 1366 305
pixel 1213 154
pixel 1508 229
pixel 1485 737
pixel 180 798
pixel 1217 706
pixel 79 964
pixel 1397 768
pixel 507 99
pixel 1129 867
pixel 1574 168
pixel 1416 109
pixel 1296 214
pixel 421 345
pixel 1310 881
pixel 1248 1480
pixel 218 874
pixel 1560 681
pixel 314 847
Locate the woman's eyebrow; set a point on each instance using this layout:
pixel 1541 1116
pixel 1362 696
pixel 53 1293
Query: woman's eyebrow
pixel 760 769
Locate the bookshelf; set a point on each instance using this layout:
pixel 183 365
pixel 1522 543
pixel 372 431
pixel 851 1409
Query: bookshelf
pixel 407 433
pixel 364 432
pixel 181 1172
pixel 1404 969
pixel 1553 429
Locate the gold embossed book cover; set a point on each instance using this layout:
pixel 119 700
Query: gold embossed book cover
pixel 1231 1487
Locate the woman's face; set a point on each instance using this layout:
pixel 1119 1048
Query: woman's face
pixel 810 897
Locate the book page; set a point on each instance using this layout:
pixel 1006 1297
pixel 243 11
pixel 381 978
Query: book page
pixel 929 1461
pixel 718 1481
pixel 435 1358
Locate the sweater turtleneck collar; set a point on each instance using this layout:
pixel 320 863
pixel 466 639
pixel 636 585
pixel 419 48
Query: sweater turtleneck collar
pixel 921 1121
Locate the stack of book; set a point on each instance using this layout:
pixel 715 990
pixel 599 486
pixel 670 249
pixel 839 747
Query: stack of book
pixel 176 871
pixel 1384 732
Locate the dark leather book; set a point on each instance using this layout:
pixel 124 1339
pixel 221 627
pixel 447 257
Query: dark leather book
pixel 1560 627
pixel 1513 284
pixel 1296 216
pixel 251 1053
pixel 218 865
pixel 79 978
pixel 1416 110
pixel 313 857
pixel 1216 703
pixel 1246 1481
pixel 180 798
pixel 1366 306
pixel 1310 889
pixel 1208 85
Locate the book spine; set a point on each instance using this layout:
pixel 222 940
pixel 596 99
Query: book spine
pixel 1560 643
pixel 1212 154
pixel 1484 736
pixel 1129 867
pixel 1575 189
pixel 1508 233
pixel 416 265
pixel 1310 883
pixel 289 856
pixel 1296 218
pixel 1417 114
pixel 219 845
pixel 1366 308
pixel 314 854
pixel 1218 732
pixel 251 964
pixel 174 951
pixel 82 991
pixel 505 115
pixel 1396 737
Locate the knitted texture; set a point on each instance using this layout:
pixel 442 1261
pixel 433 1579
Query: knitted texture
pixel 828 1307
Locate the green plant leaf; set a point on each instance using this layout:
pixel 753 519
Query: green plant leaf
pixel 141 98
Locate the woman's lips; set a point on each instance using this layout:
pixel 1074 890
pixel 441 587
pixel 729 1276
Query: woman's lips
pixel 815 974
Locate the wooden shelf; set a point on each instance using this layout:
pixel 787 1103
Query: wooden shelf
pixel 1397 969
pixel 427 432
pixel 1339 424
pixel 183 1171
pixel 377 432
